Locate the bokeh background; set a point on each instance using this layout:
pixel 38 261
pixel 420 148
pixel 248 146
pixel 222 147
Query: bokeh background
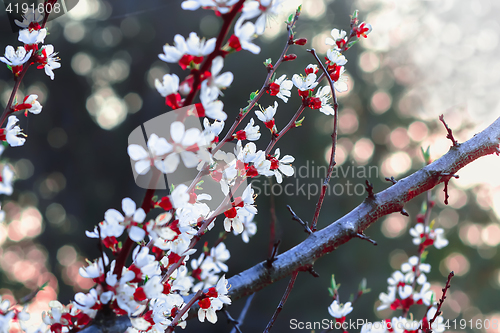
pixel 423 59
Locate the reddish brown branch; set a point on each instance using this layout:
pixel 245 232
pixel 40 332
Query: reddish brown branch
pixel 334 141
pixel 282 302
pixel 441 301
pixel 450 132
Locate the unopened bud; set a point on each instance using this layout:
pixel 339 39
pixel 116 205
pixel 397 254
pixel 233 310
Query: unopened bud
pixel 289 57
pixel 300 41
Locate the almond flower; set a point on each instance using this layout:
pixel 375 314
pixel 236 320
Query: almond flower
pixel 157 148
pixel 267 116
pixel 49 61
pixel 335 57
pixel 15 58
pixel 222 6
pixel 12 133
pixel 304 84
pixel 339 311
pixel 264 9
pixel 169 89
pixel 245 33
pixel 250 132
pixel 184 147
pixel 338 39
pixel 212 86
pixel 32 37
pixel 281 166
pixel 281 88
pixel 324 94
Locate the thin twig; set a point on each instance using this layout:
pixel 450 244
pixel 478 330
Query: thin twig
pixel 274 219
pixel 232 321
pixel 441 301
pixel 282 302
pixel 369 189
pixel 298 219
pixel 244 312
pixel 365 237
pixel 392 180
pixel 184 309
pixel 450 132
pixel 274 254
pixel 332 163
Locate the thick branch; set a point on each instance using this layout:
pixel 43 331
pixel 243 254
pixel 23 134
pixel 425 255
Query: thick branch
pixel 386 202
pixel 391 200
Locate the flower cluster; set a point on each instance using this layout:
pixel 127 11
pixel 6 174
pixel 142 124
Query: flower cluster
pixel 18 60
pixel 407 287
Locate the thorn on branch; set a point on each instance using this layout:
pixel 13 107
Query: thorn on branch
pixel 313 272
pixel 298 219
pixel 404 212
pixel 365 237
pixel 392 180
pixel 274 255
pixel 445 190
pixel 369 189
pixel 450 132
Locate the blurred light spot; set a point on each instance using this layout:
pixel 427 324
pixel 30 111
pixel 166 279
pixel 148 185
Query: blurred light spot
pixel 116 71
pixel 3 234
pixel 396 164
pixel 66 255
pixel 418 131
pixel 380 132
pixel 457 263
pixel 369 61
pixel 404 75
pixel 109 36
pixel 134 102
pixel 470 234
pixel 399 138
pixel 130 27
pixel 24 169
pixel 381 102
pixel 450 34
pixel 57 137
pixel 448 218
pixel 27 225
pixel 106 108
pixel 394 226
pixel 74 31
pixel 348 121
pixel 210 25
pixel 86 9
pixel 82 63
pixel 363 150
pixel 314 9
pixel 487 252
pixel 318 41
pixel 397 258
pixel 51 185
pixel 55 214
pixel 491 235
pixel 40 90
pixel 487 40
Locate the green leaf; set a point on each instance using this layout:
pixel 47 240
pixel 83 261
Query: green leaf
pixel 154 198
pixel 426 154
pixel 355 14
pixel 290 19
pixel 298 123
pixel 299 9
pixel 253 95
pixel 9 67
pixel 362 285
pixel 268 62
pixel 351 43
